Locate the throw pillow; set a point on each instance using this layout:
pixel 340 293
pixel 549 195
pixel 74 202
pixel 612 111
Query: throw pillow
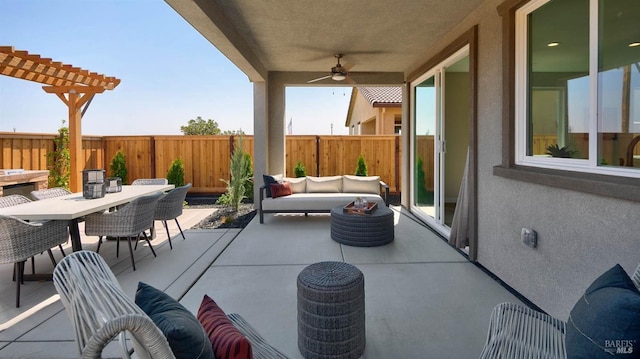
pixel 182 329
pixel 226 340
pixel 280 189
pixel 361 184
pixel 325 184
pixel 268 180
pixel 605 322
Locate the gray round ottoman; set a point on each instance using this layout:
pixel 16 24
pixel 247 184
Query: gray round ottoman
pixel 331 311
pixel 362 230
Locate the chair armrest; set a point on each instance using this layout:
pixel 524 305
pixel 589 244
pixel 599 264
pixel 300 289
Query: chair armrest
pixel 385 189
pixel 636 277
pixel 518 331
pixel 141 328
pixel 261 349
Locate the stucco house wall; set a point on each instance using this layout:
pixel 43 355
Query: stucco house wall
pixel 579 235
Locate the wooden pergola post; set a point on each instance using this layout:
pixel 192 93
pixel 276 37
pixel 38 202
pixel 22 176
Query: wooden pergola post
pixel 73 85
pixel 76 97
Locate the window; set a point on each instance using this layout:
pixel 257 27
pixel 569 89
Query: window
pixel 577 81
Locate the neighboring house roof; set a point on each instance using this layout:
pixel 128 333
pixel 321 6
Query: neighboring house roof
pixel 378 96
pixel 382 96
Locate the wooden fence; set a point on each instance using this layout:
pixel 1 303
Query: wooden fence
pixel 206 158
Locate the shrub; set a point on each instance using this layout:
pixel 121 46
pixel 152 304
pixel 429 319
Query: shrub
pixel 119 166
pixel 238 184
pixel 300 170
pixel 175 176
pixel 248 172
pixel 361 169
pixel 59 160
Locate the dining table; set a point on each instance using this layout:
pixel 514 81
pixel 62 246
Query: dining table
pixel 74 206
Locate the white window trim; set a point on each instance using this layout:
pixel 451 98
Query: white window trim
pixel 521 86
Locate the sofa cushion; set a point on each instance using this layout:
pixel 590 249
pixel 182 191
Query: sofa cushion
pixel 315 201
pixel 226 340
pixel 298 184
pixel 361 184
pixel 269 179
pixel 280 189
pixel 325 184
pixel 605 322
pixel 183 331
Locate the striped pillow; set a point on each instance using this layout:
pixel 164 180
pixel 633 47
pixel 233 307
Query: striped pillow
pixel 226 340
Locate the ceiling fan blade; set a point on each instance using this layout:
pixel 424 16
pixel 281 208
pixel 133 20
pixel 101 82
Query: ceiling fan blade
pixel 319 79
pixel 349 80
pixel 348 67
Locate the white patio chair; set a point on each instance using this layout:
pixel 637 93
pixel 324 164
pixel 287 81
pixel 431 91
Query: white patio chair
pixel 132 220
pixel 20 240
pixel 149 181
pixel 516 331
pixel 14 200
pixel 170 206
pixel 99 310
pixel 49 193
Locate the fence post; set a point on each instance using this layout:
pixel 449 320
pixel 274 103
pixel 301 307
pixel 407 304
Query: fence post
pixel 317 155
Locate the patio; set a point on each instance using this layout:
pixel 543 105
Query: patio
pixel 422 296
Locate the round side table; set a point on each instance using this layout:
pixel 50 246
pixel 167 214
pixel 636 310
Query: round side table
pixel 362 230
pixel 331 318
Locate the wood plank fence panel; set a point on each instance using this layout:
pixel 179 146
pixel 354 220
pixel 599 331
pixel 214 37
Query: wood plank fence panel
pixel 137 153
pixel 303 149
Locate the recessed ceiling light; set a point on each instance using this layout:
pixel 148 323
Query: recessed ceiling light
pixel 553 44
pixel 634 44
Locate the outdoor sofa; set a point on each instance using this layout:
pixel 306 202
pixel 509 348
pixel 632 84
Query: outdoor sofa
pixel 311 194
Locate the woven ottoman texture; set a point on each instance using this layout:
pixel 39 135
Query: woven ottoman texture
pixel 331 319
pixel 362 230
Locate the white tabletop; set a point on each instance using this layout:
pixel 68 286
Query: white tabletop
pixel 74 205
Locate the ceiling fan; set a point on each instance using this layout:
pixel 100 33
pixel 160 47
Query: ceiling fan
pixel 338 72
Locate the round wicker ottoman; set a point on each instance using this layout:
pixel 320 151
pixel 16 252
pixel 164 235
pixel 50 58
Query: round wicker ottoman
pixel 362 230
pixel 331 311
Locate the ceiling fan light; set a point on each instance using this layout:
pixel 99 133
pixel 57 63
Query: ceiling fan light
pixel 338 77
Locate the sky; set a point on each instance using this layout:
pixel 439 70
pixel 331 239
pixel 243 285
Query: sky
pixel 169 72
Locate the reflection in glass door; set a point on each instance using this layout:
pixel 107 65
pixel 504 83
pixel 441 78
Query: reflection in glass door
pixel 441 102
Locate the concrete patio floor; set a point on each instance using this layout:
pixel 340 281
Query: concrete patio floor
pixel 423 298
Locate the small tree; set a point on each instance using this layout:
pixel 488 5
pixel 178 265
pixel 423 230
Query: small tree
pixel 237 185
pixel 175 176
pixel 361 169
pixel 300 170
pixel 119 166
pixel 59 160
pixel 248 172
pixel 201 127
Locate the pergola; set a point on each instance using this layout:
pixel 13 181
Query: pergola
pixel 73 85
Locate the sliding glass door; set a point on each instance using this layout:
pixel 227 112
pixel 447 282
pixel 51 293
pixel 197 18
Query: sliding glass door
pixel 440 118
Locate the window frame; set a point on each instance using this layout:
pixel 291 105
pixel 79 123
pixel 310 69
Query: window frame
pixel 607 184
pixel 589 165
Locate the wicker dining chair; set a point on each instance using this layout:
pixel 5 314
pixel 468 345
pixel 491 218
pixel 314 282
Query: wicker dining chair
pixel 516 331
pixel 49 193
pixel 99 310
pixel 170 207
pixel 131 220
pixel 20 240
pixel 14 200
pixel 150 181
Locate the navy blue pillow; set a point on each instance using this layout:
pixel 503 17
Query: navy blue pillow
pixel 606 319
pixel 183 331
pixel 268 180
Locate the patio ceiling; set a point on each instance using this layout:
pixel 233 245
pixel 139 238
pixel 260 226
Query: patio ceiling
pixel 302 36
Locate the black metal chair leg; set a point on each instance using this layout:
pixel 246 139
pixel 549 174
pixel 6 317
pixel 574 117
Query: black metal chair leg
pixel 19 267
pixel 133 262
pixel 53 259
pixel 118 247
pixel 99 244
pixel 149 243
pixel 166 227
pixel 180 228
pixel 62 250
